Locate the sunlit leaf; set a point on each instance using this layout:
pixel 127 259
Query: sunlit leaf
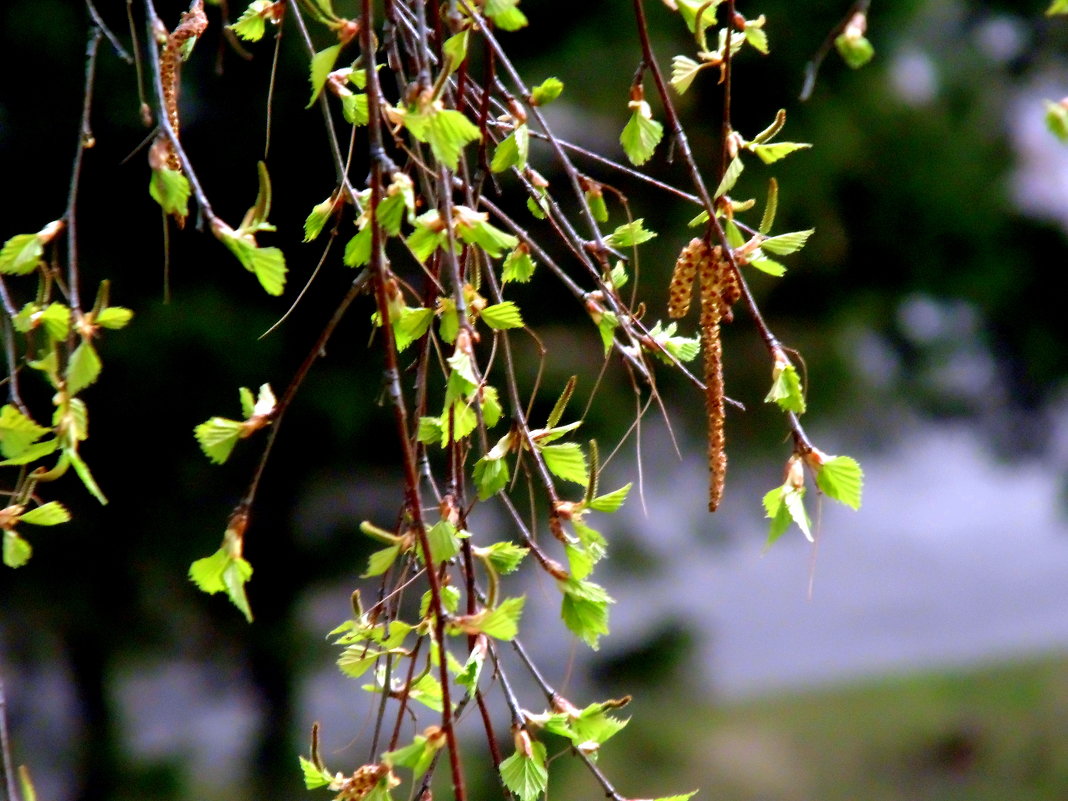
pixel 566 461
pixel 321 65
pixel 584 609
pixel 611 501
pixel 546 92
pixel 856 51
pixel 771 153
pixel 505 14
pixel 683 72
pixel 313 776
pixel 83 368
pixel 632 233
pixel 217 437
pixel 47 514
pixel 729 179
pixel 224 572
pixel 17 551
pixel 512 150
pixel 17 431
pixel 114 317
pixel 171 190
pixel 841 478
pixel 82 471
pixel 518 266
pixel 250 25
pixel 503 315
pixel 641 135
pixel 21 254
pixel 526 775
pixel 786 390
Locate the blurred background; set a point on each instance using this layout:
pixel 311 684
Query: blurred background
pixel 929 661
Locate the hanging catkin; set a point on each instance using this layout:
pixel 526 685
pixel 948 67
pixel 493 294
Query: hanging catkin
pixel 719 291
pixel 191 26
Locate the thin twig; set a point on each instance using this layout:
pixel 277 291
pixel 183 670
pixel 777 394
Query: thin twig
pixel 5 750
pixel 99 22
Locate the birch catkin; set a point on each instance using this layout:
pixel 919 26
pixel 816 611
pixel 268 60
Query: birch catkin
pixel 191 26
pixel 719 291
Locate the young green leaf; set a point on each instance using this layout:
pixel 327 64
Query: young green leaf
pixel 21 254
pixel 505 14
pixel 490 476
pixel 83 368
pixel 355 110
pixel 785 505
pixel 114 317
pixel 786 389
pixel 1057 7
pixel 445 130
pixel 224 572
pixel 769 154
pixel 855 50
pixel 418 755
pixel 585 609
pixel 17 431
pixel 314 778
pixel 611 501
pixel 317 219
pixel 526 774
pixel 17 551
pixel 250 25
pixel 684 349
pixel 55 318
pixel 47 514
pixel 82 471
pixel 630 234
pixel 546 92
pixel 217 437
pixel 501 316
pixel 267 264
pixel 503 556
pixel 380 561
pixel 444 540
pixel 607 323
pixel 321 65
pixel 518 266
pixel 730 178
pixel 512 151
pixel 502 622
pixel 566 461
pixel 641 134
pixel 683 72
pixel 757 37
pixel 841 478
pixel 455 49
pixel 171 190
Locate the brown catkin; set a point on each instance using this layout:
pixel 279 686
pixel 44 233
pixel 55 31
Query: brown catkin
pixel 192 25
pixel 719 290
pixel 686 266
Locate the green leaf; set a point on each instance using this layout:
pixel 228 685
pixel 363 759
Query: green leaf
pixel 547 91
pixel 17 431
pixel 355 110
pixel 357 660
pixel 512 151
pixel 856 51
pixel 217 437
pixel 444 540
pixel 502 622
pixel 785 244
pixel 526 776
pixel 684 349
pixel 82 470
pixel 449 322
pixel 56 320
pixel 598 207
pixel 504 14
pixel 490 477
pixel 455 49
pixel 314 778
pixel 611 501
pixel 418 755
pixel 504 556
pixel 411 325
pixel 358 249
pixel 633 233
pixel 83 368
pixel 683 71
pixel 786 390
pixel 606 327
pixel 476 231
pixel 518 266
pixel 381 561
pixel 841 478
pixel 1057 119
pixel 429 430
pixel 769 266
pixel 224 572
pixel 580 562
pixel 267 264
pixel 321 65
pixel 248 404
pixel 491 406
pixel 17 551
pixel 21 254
pixel 785 505
pixel 501 316
pixel 171 190
pixel 641 135
pixel 320 213
pixel 769 154
pixel 114 317
pixel 730 178
pixel 445 130
pixel 585 609
pixel 250 25
pixel 757 37
pixel 566 461
pixel 33 453
pixel 47 514
pixel 1057 7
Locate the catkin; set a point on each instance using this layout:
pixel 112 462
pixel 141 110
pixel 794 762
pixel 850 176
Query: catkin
pixel 681 287
pixel 192 25
pixel 719 291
